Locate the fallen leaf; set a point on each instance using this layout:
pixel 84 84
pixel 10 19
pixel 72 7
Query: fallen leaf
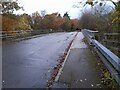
pixel 81 80
pixel 97 84
pixel 92 85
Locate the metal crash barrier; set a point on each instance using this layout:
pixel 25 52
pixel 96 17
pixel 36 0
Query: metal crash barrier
pixel 111 61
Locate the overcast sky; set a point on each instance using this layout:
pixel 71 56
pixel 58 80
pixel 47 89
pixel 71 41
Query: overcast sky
pixel 51 6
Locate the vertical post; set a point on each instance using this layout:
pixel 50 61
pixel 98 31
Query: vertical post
pixel 118 38
pixel 1 61
pixel 105 38
pixel 0 66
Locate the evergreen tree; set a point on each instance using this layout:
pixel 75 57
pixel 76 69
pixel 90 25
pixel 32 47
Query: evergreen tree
pixel 66 16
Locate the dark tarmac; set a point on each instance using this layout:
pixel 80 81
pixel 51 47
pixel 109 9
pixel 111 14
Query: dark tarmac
pixel 30 63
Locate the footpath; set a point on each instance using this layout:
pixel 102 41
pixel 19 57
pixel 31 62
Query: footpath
pixel 80 69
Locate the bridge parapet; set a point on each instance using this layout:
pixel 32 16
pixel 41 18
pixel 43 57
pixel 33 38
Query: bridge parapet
pixel 112 61
pixel 21 34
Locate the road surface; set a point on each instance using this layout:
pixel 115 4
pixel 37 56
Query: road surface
pixel 30 63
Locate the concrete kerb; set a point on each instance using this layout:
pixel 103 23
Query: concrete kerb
pixel 60 70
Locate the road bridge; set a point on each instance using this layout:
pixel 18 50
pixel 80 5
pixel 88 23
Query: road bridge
pixel 31 63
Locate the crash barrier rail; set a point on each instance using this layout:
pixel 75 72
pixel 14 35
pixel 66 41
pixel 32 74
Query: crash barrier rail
pixel 90 35
pixel 20 34
pixel 110 57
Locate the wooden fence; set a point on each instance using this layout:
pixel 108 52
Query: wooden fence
pixel 112 42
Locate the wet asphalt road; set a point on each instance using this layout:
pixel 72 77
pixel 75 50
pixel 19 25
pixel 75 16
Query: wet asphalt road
pixel 29 63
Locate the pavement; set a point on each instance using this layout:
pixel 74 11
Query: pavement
pixel 80 69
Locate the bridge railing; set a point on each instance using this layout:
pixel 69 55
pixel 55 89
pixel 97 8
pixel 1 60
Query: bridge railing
pixel 90 35
pixel 112 59
pixel 11 35
pixel 112 41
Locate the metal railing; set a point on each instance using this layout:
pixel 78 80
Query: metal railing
pixel 112 59
pixel 90 35
pixel 21 34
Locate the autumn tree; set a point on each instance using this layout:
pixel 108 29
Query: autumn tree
pixel 9 20
pixel 22 22
pixel 116 19
pixel 67 22
pixel 59 22
pixel 8 24
pixel 35 21
pixel 52 21
pixel 48 21
pixel 74 24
